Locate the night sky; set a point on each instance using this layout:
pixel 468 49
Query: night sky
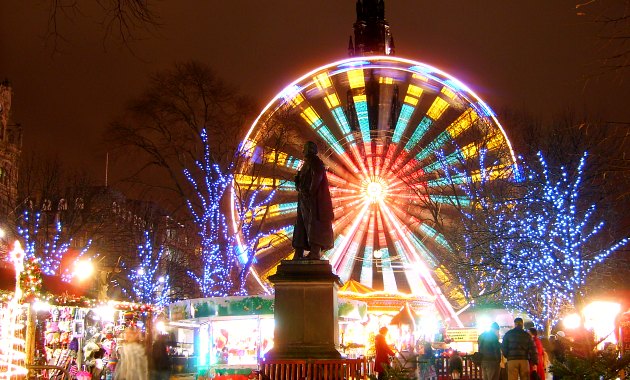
pixel 538 56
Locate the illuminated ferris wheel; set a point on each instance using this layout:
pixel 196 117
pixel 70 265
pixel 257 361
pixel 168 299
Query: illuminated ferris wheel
pixel 398 137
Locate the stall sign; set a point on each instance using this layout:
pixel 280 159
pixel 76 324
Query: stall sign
pixel 463 335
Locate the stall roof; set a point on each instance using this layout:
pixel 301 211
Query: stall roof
pixel 406 316
pixel 390 302
pixel 353 286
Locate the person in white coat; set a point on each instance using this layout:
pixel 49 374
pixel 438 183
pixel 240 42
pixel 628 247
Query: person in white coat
pixel 132 358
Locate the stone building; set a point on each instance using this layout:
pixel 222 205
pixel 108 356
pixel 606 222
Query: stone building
pixel 10 150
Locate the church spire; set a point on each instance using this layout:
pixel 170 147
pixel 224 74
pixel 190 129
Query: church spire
pixel 371 30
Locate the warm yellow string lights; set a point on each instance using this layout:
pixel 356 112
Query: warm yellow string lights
pixel 12 353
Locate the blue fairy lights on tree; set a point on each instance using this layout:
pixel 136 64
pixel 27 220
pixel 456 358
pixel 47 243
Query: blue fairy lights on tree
pixel 148 281
pixel 551 244
pixel 48 243
pixel 227 252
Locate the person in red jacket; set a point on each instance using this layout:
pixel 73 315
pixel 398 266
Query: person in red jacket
pixel 383 352
pixel 540 368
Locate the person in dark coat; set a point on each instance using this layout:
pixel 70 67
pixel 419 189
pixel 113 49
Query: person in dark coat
pixel 559 351
pixel 383 352
pixel 490 350
pixel 161 360
pixel 520 352
pixel 456 365
pixel 313 230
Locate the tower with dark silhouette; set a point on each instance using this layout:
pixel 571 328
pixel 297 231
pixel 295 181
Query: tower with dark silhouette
pixel 372 37
pixel 371 31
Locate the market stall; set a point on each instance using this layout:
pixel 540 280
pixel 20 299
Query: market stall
pixel 59 324
pixel 414 317
pixel 228 335
pixel 84 335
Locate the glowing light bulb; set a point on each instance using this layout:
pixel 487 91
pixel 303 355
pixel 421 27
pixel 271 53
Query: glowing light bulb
pixel 83 269
pixel 572 321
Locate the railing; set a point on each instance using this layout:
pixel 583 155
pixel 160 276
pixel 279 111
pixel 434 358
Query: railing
pixel 314 369
pixel 471 370
pixel 55 373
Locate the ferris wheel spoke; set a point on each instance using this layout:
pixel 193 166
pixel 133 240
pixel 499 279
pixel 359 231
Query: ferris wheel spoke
pixel 346 262
pixel 274 210
pixel 316 122
pixel 347 227
pixel 274 158
pixel 387 260
pixel 357 94
pixel 434 112
pixel 366 271
pixel 338 175
pixel 419 269
pixel 461 124
pixel 423 233
pixel 418 133
pixel 490 173
pixel 334 105
pixel 346 211
pixel 347 183
pixel 408 108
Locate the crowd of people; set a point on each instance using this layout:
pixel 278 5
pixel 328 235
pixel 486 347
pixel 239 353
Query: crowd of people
pixel 519 355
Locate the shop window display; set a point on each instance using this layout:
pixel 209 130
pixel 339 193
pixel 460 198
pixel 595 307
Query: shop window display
pixel 241 341
pixel 83 339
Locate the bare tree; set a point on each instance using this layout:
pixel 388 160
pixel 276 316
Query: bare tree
pixel 186 133
pixel 564 139
pixel 122 19
pixel 613 17
pixel 162 130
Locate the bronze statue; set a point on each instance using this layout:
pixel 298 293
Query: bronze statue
pixel 313 227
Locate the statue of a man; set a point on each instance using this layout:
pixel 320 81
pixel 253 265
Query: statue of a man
pixel 313 230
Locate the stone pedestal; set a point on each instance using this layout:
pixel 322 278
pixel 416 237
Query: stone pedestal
pixel 305 310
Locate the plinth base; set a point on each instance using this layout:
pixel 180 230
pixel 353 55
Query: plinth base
pixel 305 310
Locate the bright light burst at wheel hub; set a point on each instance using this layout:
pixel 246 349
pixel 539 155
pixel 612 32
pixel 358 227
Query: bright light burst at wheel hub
pixel 397 136
pixel 375 190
